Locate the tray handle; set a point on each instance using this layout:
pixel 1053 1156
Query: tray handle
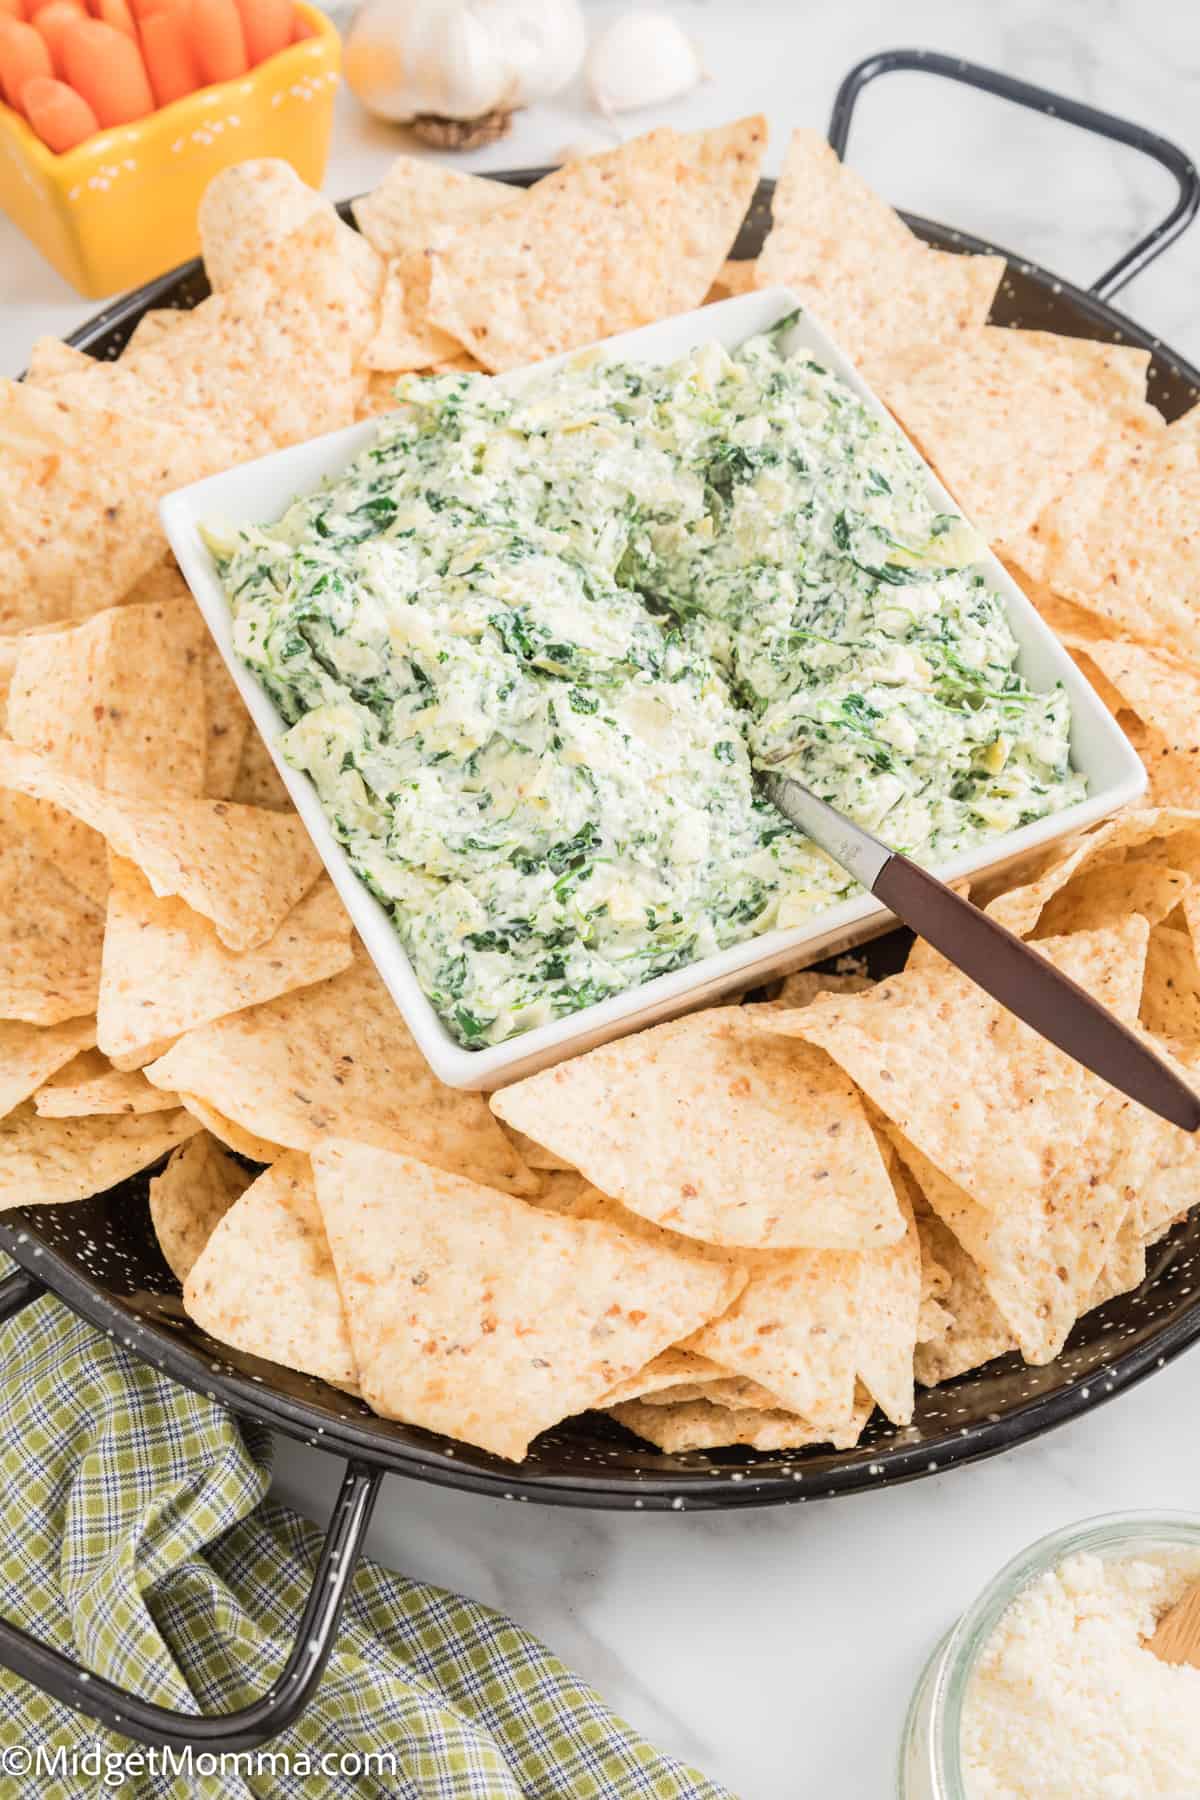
pixel 63 1678
pixel 1058 106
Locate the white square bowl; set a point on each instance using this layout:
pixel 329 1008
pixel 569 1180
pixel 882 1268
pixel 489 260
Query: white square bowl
pixel 260 491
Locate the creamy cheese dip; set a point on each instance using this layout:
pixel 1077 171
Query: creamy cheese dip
pixel 530 644
pixel 1066 1704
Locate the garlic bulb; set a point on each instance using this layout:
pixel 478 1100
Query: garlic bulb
pixel 457 69
pixel 642 59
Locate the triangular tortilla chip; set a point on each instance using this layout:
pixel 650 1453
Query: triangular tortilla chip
pixel 242 867
pixel 1165 696
pixel 118 700
pixel 264 1282
pixel 1006 417
pixel 420 204
pixel 252 205
pixel 1123 539
pixel 706 1126
pixel 44 1161
pixel 996 1108
pixel 31 1054
pixel 333 1059
pixel 196 1189
pixel 604 244
pixel 90 1085
pixel 666 1371
pixel 228 724
pixel 236 1137
pixel 50 939
pixel 701 1425
pixel 165 971
pixel 258 782
pixel 474 1314
pixel 405 338
pixel 973 1330
pixel 79 490
pixel 870 281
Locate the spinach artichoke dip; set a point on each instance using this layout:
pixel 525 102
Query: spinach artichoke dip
pixel 531 643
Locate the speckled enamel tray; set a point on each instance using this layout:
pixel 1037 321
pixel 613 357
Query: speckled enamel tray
pixel 102 1259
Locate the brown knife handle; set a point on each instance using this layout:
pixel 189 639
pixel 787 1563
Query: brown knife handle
pixel 1013 973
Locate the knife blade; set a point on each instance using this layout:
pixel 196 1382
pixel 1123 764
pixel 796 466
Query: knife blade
pixel 1003 965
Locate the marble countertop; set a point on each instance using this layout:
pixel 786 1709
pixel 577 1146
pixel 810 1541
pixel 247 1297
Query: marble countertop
pixel 778 1649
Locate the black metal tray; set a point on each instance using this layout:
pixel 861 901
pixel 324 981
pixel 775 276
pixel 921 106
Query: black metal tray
pixel 101 1257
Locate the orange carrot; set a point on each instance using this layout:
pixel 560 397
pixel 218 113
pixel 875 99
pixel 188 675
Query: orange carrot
pixel 217 39
pixel 12 9
pixel 267 25
pixel 302 28
pixel 61 117
pixel 52 23
pixel 117 14
pixel 141 9
pixel 170 59
pixel 37 6
pixel 106 67
pixel 23 56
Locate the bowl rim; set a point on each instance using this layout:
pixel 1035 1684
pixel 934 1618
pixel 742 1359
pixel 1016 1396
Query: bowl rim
pixel 264 487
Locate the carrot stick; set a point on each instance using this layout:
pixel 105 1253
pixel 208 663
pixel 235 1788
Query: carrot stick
pixel 52 22
pixel 117 14
pixel 267 25
pixel 106 67
pixel 23 56
pixel 170 60
pixel 61 117
pixel 12 9
pixel 217 39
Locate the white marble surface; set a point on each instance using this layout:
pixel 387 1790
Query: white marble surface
pixel 777 1649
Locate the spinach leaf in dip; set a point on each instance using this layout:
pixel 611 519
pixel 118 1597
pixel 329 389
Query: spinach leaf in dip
pixel 531 642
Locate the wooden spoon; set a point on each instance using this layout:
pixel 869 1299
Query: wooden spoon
pixel 1177 1636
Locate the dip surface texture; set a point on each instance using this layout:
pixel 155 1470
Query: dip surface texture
pixel 530 644
pixel 1065 1704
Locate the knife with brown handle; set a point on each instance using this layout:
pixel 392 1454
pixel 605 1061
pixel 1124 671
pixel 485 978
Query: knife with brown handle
pixel 1003 965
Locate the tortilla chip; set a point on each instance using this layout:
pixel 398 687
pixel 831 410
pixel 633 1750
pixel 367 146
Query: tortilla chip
pixel 604 244
pixel 1124 539
pixel 246 1143
pixel 50 938
pixel 733 1391
pixel 804 986
pixel 405 338
pixel 196 1189
pixel 706 1126
pixel 45 1161
pixel 337 1059
pixel 270 358
pixel 871 282
pixel 419 205
pixel 258 781
pixel 976 1332
pixel 810 1325
pixel 1116 840
pixel 668 1370
pixel 250 207
pixel 533 1154
pixel 227 724
pixel 240 866
pixel 79 487
pixel 118 700
pixel 1165 697
pixel 992 1104
pixel 1171 986
pixel 165 971
pixel 264 1282
pixel 1105 893
pixel 1006 417
pixel 474 1314
pixel 377 396
pixel 153 324
pixel 50 359
pixel 701 1425
pixel 90 1085
pixel 31 1054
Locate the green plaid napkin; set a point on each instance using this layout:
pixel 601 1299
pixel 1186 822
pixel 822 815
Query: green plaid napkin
pixel 136 1536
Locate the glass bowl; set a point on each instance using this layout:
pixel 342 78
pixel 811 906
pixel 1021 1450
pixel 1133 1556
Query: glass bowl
pixel 930 1759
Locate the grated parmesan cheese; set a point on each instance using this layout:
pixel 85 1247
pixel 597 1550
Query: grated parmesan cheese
pixel 1066 1704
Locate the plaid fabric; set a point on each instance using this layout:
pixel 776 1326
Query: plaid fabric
pixel 136 1537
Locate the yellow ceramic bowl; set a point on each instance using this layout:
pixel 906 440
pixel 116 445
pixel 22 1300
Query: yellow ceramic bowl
pixel 121 207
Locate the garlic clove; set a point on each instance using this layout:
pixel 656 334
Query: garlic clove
pixel 641 59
